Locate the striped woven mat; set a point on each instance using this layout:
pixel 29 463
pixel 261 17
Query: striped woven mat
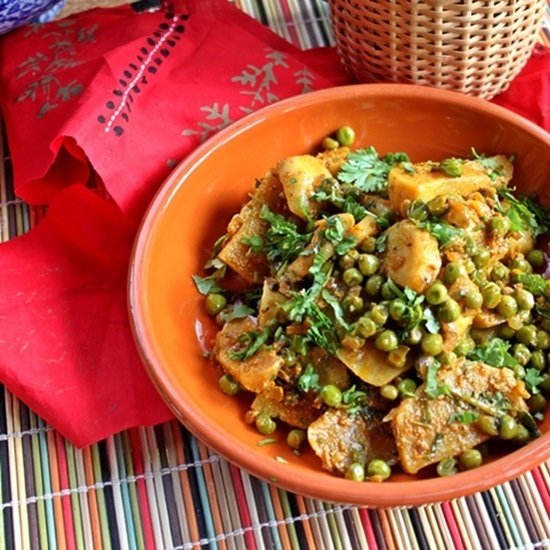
pixel 161 488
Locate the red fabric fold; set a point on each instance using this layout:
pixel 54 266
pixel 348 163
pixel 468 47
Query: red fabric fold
pixel 117 98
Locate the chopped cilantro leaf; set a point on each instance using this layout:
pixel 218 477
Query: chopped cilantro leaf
pixel 464 417
pixel 536 284
pixel 206 285
pixel 237 311
pixel 495 354
pixel 255 243
pixel 249 344
pixel 445 233
pixel 524 213
pixel 433 387
pixel 532 379
pixel 309 380
pixel 369 173
pixel 335 233
pixel 282 241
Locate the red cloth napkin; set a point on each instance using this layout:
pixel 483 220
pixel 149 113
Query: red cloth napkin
pixel 118 98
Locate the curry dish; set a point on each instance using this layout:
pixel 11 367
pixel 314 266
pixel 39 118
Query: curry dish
pixel 391 315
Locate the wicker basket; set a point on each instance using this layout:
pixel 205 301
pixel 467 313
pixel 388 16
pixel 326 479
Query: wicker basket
pixel 471 46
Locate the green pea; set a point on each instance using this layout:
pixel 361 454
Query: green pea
pixel 449 311
pixel 368 264
pixel 522 435
pixel 473 299
pixel 479 277
pixel 228 385
pixel 418 211
pixel 353 304
pixel 330 144
pixel 524 299
pixel 536 403
pixel 536 258
pixel 453 272
pixel 488 424
pixel 508 427
pixel 499 272
pixel 506 332
pixel 500 224
pixel 415 336
pixel 215 303
pixel 465 346
pixel 331 395
pixel 519 371
pixel 480 335
pixel 447 467
pixel 471 459
pixel 352 276
pixel 345 136
pixel 366 327
pixel 368 245
pixel 544 385
pixel 491 295
pixel 397 309
pixel 469 265
pixel 373 286
pixel 481 258
pixel 527 335
pixel 295 438
pixel 355 472
pixel 386 341
pixel 447 357
pixel 521 354
pixel 437 293
pixel 379 314
pixel 265 424
pixel 543 339
pixel 521 265
pixel 538 360
pixel 507 307
pixel 348 259
pixel 438 205
pixel 379 469
pixel 387 291
pixel 452 167
pixel 389 391
pixel 432 344
pixel 406 387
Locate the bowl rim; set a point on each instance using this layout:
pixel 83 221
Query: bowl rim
pixel 380 495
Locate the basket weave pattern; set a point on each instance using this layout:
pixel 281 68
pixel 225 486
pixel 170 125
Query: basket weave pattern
pixel 472 46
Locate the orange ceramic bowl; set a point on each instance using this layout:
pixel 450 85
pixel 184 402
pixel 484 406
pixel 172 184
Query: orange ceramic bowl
pixel 196 202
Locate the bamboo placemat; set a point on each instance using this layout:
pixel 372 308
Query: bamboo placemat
pixel 161 488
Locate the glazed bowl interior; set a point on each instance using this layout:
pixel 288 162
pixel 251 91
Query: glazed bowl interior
pixel 192 209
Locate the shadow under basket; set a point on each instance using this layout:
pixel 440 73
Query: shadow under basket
pixel 471 46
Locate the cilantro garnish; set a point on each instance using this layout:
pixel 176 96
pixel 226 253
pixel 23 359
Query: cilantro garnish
pixel 206 285
pixel 433 387
pixel 309 380
pixel 255 243
pixel 495 354
pixel 532 379
pixel 464 417
pixel 282 241
pixel 249 344
pixel 445 233
pixel 492 165
pixel 524 213
pixel 536 284
pixel 353 399
pixel 237 311
pixel 367 171
pixel 335 233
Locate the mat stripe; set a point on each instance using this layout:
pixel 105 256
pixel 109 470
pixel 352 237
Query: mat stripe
pixel 160 488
